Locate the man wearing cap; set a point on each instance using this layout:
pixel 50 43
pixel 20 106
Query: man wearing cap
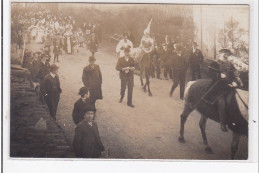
pixel 92 79
pixel 124 43
pixel 52 90
pixel 125 65
pixel 221 91
pixel 196 59
pixel 81 105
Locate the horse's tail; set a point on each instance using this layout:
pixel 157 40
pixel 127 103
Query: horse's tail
pixel 187 88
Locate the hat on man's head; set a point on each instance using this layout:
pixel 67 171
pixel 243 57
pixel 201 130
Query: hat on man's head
pixel 83 90
pixel 195 44
pixel 54 67
pixel 91 59
pixel 226 51
pixel 127 49
pixel 89 108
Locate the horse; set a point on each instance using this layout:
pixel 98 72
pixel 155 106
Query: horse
pixel 236 121
pixel 146 67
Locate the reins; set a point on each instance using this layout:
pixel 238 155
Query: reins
pixel 242 100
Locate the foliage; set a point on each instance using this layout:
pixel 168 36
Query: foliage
pixel 232 37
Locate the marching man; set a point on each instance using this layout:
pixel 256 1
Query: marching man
pixel 124 43
pixel 125 66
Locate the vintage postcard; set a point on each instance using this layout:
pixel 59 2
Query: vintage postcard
pixel 129 81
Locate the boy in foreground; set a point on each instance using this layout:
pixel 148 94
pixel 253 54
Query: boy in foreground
pixel 87 142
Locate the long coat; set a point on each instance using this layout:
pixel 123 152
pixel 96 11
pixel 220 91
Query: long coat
pixel 196 58
pixel 52 93
pixel 87 142
pixel 79 109
pixel 92 79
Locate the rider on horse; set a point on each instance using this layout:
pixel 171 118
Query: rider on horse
pixel 225 79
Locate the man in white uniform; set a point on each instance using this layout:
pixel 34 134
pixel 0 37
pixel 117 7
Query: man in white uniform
pixel 124 43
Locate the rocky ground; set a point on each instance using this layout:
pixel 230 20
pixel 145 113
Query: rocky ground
pixel 33 133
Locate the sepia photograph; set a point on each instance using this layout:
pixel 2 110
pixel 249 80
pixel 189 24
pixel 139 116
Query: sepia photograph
pixel 129 81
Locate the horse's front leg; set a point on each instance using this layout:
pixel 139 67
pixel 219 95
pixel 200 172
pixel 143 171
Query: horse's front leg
pixel 148 85
pixel 234 144
pixel 202 124
pixel 186 112
pixel 141 79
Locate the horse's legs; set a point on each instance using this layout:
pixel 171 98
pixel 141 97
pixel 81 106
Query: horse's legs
pixel 141 75
pixel 148 85
pixel 187 110
pixel 234 144
pixel 141 79
pixel 202 124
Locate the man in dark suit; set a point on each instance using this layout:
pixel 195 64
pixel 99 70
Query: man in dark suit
pixel 52 90
pixel 180 65
pixel 196 59
pixel 166 54
pixel 125 65
pixel 92 79
pixel 44 69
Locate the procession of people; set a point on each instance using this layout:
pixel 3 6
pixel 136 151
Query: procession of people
pixel 60 34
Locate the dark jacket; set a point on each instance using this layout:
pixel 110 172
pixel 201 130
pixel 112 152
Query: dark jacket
pixel 92 79
pixel 196 58
pixel 79 109
pixel 180 63
pixel 44 69
pixel 52 86
pixel 87 142
pixel 229 70
pixel 166 57
pixel 122 63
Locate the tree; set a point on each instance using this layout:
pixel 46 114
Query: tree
pixel 232 37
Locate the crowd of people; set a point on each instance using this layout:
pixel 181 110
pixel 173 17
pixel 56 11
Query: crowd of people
pixel 53 30
pixel 61 33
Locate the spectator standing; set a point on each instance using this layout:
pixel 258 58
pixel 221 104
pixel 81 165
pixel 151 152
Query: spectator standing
pixel 52 90
pixel 196 59
pixel 92 79
pixel 81 105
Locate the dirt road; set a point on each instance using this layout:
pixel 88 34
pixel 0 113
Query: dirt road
pixel 148 131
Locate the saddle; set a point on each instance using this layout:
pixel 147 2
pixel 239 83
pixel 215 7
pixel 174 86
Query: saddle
pixel 207 104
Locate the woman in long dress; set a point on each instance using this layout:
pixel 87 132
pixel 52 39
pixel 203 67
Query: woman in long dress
pixel 40 34
pixel 67 40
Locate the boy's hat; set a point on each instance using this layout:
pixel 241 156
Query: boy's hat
pixel 83 91
pixel 92 59
pixel 54 67
pixel 89 108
